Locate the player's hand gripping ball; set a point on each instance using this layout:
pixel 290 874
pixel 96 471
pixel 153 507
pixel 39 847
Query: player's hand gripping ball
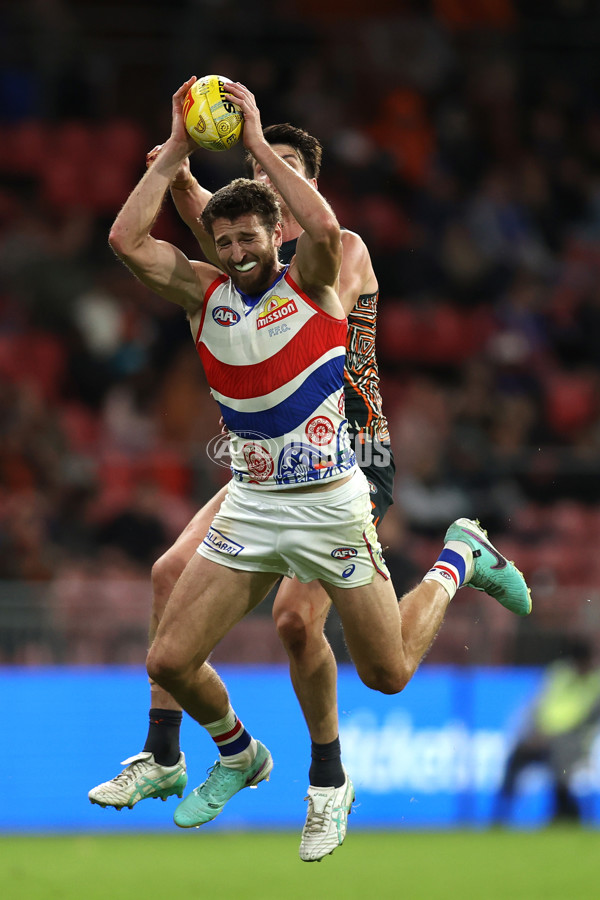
pixel 211 120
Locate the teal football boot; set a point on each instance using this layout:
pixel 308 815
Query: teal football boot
pixel 492 573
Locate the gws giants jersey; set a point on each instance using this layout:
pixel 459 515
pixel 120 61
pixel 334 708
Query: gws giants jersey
pixel 363 399
pixel 275 366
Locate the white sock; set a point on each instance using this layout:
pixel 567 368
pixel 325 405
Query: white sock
pixel 237 747
pixel 453 567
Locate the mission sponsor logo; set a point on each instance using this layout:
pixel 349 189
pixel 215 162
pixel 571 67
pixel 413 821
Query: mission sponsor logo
pixel 224 315
pixel 274 310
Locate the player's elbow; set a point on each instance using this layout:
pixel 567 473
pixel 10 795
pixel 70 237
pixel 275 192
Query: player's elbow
pixel 327 242
pixel 117 240
pixel 331 228
pixel 123 242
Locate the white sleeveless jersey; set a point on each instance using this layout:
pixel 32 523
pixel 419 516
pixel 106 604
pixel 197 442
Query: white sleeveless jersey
pixel 275 366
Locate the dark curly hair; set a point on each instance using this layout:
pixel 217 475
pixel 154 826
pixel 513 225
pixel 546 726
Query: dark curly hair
pixel 307 147
pixel 240 198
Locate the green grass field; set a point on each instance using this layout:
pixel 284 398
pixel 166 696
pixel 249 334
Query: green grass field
pixel 554 864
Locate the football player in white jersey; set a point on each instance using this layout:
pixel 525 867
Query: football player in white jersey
pixel 386 647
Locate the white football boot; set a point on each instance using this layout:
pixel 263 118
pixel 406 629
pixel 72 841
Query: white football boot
pixel 326 820
pixel 141 779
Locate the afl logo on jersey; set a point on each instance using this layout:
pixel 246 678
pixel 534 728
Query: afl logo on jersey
pixel 224 315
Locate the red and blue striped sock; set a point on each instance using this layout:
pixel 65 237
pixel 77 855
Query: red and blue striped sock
pixel 237 747
pixel 453 567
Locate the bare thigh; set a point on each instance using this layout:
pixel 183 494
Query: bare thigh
pixel 372 626
pixel 206 603
pixel 308 603
pixel 169 567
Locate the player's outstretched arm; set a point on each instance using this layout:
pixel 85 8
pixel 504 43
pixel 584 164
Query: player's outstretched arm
pixel 356 275
pixel 318 252
pixel 189 198
pixel 158 264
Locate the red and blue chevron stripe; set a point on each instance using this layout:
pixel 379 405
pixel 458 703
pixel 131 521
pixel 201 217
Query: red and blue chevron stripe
pixel 316 337
pixel 286 416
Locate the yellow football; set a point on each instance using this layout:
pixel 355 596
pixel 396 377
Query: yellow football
pixel 214 122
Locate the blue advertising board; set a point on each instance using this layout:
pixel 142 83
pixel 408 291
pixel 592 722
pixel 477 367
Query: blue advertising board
pixel 431 757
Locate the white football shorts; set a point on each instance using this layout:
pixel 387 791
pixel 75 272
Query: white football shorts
pixel 326 535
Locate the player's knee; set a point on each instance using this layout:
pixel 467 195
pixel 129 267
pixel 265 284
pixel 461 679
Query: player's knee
pixel 165 574
pixel 291 629
pixel 386 681
pixel 164 667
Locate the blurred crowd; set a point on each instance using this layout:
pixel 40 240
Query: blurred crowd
pixel 461 140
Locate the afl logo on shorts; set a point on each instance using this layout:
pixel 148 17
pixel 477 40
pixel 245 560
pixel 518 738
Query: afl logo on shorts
pixel 224 315
pixel 344 552
pixel 259 461
pixel 320 430
pixel 372 486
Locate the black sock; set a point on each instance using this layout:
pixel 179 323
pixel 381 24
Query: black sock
pixel 326 766
pixel 163 735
